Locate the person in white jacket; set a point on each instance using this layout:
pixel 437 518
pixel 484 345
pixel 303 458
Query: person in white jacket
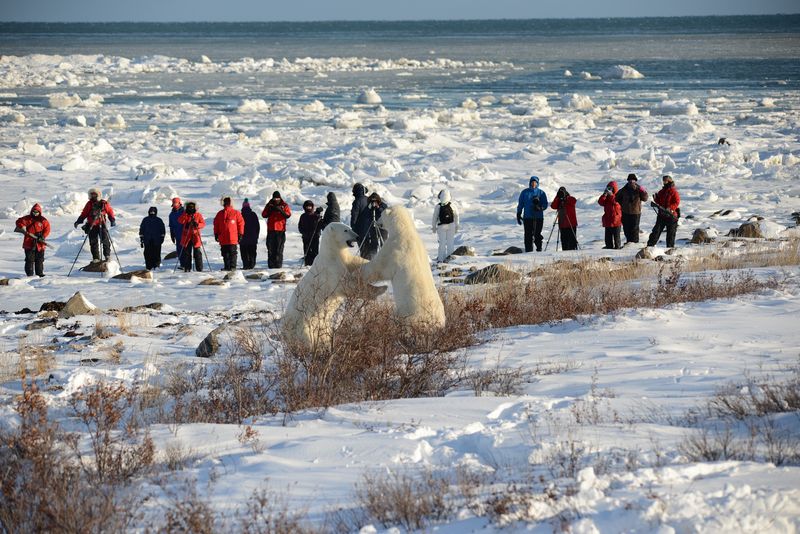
pixel 445 224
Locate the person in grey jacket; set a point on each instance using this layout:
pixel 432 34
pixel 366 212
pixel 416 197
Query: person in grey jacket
pixel 630 199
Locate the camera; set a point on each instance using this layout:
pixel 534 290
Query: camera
pixel 318 211
pixel 608 191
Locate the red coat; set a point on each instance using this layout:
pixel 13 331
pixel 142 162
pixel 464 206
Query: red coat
pixel 34 225
pixel 567 217
pixel 612 211
pixel 95 216
pixel 276 215
pixel 228 226
pixel 668 198
pixel 192 224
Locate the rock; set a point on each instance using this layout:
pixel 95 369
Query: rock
pixel 143 307
pixel 171 256
pixel 41 323
pixel 492 274
pixel 100 267
pixel 254 276
pixel 4 281
pixel 509 250
pixel 143 274
pixel 234 275
pixel 645 254
pixel 748 229
pixel 210 345
pixel 53 305
pixel 464 250
pixel 452 273
pixel 796 217
pixel 24 311
pixel 701 236
pixel 283 275
pixel 76 305
pixel 211 282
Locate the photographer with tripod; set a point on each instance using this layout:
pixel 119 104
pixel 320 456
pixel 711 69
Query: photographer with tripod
pixel 95 213
pixel 530 212
pixel 564 203
pixel 276 212
pixel 370 236
pixel 612 215
pixel 192 222
pixel 667 204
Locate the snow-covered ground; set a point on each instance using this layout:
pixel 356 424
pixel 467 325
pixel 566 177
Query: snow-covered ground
pixel 625 383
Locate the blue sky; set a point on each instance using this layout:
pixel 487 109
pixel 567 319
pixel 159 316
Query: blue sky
pixel 270 10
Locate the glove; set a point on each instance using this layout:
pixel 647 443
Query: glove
pixel 216 238
pixel 318 211
pixel 240 239
pixel 113 222
pixel 141 243
pixel 173 238
pixel 535 202
pixel 519 218
pixel 653 204
pixel 76 224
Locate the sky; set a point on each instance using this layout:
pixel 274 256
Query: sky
pixel 309 10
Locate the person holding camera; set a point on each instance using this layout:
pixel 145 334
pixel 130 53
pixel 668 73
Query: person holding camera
pixel 192 223
pixel 445 225
pixel 95 213
pixel 309 226
pixel 228 232
pixel 530 213
pixel 370 236
pixel 630 199
pixel 276 212
pixel 35 228
pixel 564 203
pixel 667 201
pixel 612 215
pixel 151 236
pixel 249 242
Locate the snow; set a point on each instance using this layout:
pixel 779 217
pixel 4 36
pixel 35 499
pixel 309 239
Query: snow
pixel 643 370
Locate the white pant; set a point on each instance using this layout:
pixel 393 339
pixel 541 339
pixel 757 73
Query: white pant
pixel 447 236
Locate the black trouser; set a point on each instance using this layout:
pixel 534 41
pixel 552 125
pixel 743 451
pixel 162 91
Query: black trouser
pixel 186 258
pixel 372 242
pixel 152 254
pixel 34 262
pixel 230 256
pixel 671 226
pixel 569 238
pixel 248 255
pixel 99 233
pixel 311 246
pixel 630 225
pixel 275 242
pixel 533 234
pixel 612 237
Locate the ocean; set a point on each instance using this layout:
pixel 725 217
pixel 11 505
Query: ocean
pixel 682 56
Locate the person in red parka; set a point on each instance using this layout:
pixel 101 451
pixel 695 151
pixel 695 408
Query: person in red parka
pixel 228 231
pixel 95 213
pixel 36 229
pixel 276 212
pixel 567 220
pixel 668 202
pixel 191 244
pixel 612 215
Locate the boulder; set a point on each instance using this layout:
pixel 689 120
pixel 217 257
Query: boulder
pixel 99 267
pixel 171 256
pixel 254 276
pixel 4 281
pixel 645 254
pixel 210 345
pixel 492 274
pixel 700 236
pixel 53 305
pixel 211 282
pixel 142 274
pixel 749 229
pixel 41 323
pixel 143 307
pixel 509 250
pixel 283 275
pixel 76 305
pixel 464 250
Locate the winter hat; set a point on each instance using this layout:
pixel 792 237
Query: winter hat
pixel 307 204
pixel 359 189
pixel 176 202
pixel 36 207
pixel 444 196
pixel 534 179
pixel 191 206
pixel 246 203
pixel 95 191
pixel 226 201
pixel 276 194
pixel 152 210
pixel 632 177
pixel 331 197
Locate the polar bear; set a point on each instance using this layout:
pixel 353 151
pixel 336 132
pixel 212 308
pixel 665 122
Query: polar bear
pixel 404 261
pixel 308 318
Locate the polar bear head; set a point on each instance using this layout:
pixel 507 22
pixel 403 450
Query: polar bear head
pixel 337 236
pixel 396 219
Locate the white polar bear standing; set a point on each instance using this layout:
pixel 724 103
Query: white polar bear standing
pixel 404 261
pixel 308 318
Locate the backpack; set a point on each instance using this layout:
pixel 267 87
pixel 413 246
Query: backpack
pixel 446 214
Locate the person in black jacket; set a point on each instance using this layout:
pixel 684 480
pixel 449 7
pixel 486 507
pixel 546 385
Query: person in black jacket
pixel 332 212
pixel 249 242
pixel 370 236
pixel 151 236
pixel 359 204
pixel 309 228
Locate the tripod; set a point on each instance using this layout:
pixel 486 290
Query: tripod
pixel 78 254
pixel 113 247
pixel 555 222
pixel 378 236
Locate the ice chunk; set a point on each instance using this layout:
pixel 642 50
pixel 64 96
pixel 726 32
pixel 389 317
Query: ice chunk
pixel 369 96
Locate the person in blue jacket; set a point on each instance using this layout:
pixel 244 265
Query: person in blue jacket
pixel 151 236
pixel 176 228
pixel 530 212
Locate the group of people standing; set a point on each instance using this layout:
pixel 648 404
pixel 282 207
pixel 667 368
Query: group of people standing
pixel 622 211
